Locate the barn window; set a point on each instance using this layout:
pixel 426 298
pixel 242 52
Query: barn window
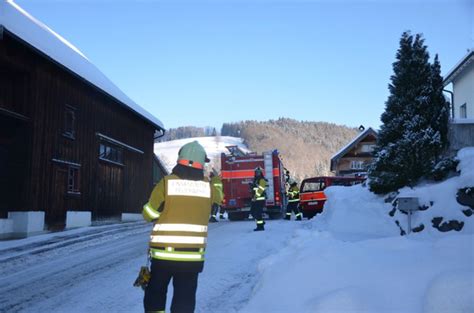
pixel 73 180
pixel 70 122
pixel 112 153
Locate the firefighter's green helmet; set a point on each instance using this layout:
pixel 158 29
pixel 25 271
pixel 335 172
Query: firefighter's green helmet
pixel 292 182
pixel 192 154
pixel 258 171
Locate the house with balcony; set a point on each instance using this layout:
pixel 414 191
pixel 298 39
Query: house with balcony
pixel 461 82
pixel 354 158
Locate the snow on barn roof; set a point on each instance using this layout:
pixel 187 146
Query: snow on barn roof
pixel 355 141
pixel 21 24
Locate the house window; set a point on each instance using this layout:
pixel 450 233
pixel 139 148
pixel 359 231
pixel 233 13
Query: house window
pixel 368 148
pixel 463 111
pixel 73 185
pixel 357 165
pixel 109 152
pixel 69 122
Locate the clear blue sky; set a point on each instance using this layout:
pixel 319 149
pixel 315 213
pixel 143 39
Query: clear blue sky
pixel 203 63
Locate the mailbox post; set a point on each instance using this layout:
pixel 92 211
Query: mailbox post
pixel 408 205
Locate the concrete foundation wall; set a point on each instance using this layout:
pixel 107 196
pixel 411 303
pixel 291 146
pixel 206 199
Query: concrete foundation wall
pixel 6 228
pixel 131 217
pixel 25 224
pixel 461 135
pixel 78 219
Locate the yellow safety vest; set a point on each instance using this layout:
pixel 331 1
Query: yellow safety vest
pixel 259 190
pixel 294 194
pixel 216 183
pixel 180 210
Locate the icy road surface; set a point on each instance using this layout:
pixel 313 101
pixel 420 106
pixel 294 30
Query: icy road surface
pixel 93 269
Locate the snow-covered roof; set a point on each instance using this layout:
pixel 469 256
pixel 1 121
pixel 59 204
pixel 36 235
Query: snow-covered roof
pixel 21 24
pixel 356 140
pixel 458 68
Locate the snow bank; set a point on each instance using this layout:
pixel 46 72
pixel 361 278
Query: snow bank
pixel 319 272
pixel 168 151
pixel 443 296
pixel 351 258
pixel 440 198
pixel 355 212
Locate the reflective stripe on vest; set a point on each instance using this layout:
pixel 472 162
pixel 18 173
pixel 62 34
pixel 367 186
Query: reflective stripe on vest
pixel 180 227
pixel 177 255
pixel 178 239
pixel 150 212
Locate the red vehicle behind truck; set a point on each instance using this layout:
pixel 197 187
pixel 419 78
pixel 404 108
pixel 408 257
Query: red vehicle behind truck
pixel 312 197
pixel 237 171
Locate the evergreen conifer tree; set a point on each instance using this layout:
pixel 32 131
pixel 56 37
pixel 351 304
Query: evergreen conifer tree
pixel 414 130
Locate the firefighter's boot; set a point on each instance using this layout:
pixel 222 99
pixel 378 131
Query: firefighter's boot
pixel 221 216
pixel 288 216
pixel 213 219
pixel 298 218
pixel 259 227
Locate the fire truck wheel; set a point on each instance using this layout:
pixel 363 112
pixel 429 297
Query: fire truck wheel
pixel 237 216
pixel 274 216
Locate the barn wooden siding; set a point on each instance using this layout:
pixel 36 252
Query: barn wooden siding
pixel 39 92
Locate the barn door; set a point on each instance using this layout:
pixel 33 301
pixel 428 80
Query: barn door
pixel 110 191
pixel 56 213
pixel 14 163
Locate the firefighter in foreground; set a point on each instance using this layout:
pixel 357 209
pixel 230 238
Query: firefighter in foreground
pixel 216 183
pixel 179 208
pixel 293 201
pixel 259 187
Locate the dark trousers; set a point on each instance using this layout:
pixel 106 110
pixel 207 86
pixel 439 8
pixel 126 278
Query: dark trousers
pixel 292 207
pixel 256 209
pixel 184 285
pixel 215 209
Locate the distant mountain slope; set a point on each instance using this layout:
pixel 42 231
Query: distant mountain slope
pixel 168 151
pixel 306 147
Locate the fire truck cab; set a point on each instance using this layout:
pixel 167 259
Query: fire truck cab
pixel 237 170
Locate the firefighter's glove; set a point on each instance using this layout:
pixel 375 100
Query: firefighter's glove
pixel 143 278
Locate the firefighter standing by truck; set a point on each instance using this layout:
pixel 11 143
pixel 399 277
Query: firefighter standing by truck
pixel 259 187
pixel 216 183
pixel 293 201
pixel 179 207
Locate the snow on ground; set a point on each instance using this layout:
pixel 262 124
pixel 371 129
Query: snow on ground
pixel 168 151
pixel 350 259
pixel 93 269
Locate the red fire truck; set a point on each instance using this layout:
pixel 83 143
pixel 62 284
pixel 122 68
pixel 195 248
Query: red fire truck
pixel 237 170
pixel 312 197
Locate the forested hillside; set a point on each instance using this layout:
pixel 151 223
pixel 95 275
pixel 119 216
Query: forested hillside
pixel 184 132
pixel 306 147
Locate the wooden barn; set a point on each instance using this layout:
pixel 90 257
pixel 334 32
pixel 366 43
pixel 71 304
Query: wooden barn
pixel 70 140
